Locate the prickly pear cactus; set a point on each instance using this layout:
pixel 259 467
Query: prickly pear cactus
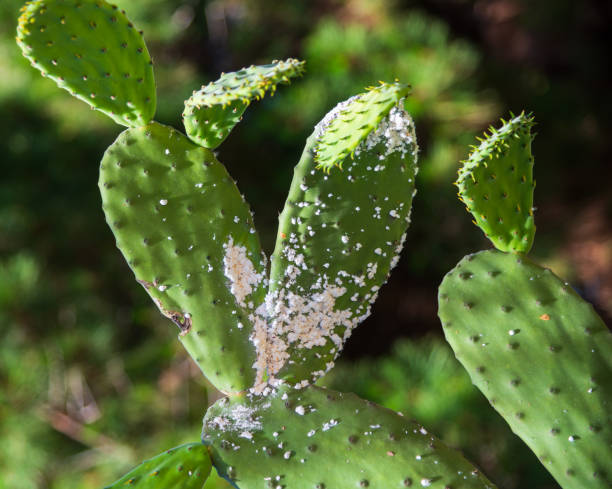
pixel 318 438
pixel 183 467
pixel 538 351
pixel 542 357
pixel 339 236
pixel 496 184
pixel 91 49
pixel 189 237
pixel 213 111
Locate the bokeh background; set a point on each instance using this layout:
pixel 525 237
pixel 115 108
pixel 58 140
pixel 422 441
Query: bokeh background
pixel 92 379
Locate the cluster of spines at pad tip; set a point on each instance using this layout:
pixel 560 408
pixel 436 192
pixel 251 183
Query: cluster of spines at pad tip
pixel 345 129
pixel 212 112
pixel 495 142
pixel 247 84
pixel 496 185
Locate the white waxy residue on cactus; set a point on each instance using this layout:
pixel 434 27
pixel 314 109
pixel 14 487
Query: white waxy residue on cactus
pixel 240 418
pixel 395 131
pixel 303 312
pixel 239 269
pixel 288 319
pixel 244 278
pixel 320 128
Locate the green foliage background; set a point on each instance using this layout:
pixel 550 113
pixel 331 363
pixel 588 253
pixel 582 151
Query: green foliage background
pixel 91 377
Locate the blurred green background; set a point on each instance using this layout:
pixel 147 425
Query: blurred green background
pixel 92 379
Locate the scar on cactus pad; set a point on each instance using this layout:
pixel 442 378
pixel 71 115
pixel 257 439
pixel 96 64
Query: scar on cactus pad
pixel 535 348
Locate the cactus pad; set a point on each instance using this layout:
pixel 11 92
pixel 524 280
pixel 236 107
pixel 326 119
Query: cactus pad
pixel 189 237
pixel 542 357
pixel 353 120
pixel 91 49
pixel 213 111
pixel 339 236
pixel 496 184
pixel 183 467
pixel 319 438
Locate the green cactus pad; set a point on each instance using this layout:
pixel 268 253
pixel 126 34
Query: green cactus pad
pixel 496 184
pixel 183 467
pixel 213 111
pixel 339 236
pixel 542 357
pixel 188 235
pixel 91 49
pixel 348 126
pixel 319 438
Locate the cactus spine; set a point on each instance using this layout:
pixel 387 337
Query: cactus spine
pixel 213 111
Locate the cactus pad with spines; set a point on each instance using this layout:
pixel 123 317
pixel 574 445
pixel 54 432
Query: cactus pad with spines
pixel 339 236
pixel 91 49
pixel 496 184
pixel 542 357
pixel 189 237
pixel 213 111
pixel 184 467
pixel 353 120
pixel 319 438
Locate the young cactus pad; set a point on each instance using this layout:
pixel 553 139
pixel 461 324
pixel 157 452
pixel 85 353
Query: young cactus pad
pixel 189 237
pixel 213 111
pixel 183 467
pixel 91 49
pixel 352 121
pixel 496 184
pixel 318 438
pixel 339 236
pixel 542 357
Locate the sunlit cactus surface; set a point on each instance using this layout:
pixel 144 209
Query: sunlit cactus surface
pixel 263 331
